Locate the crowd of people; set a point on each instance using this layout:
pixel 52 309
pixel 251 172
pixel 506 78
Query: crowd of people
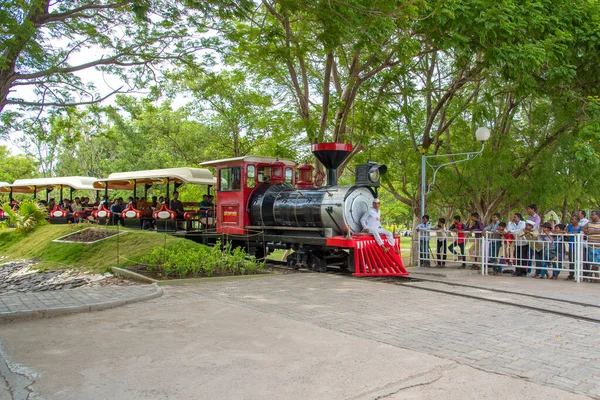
pixel 526 245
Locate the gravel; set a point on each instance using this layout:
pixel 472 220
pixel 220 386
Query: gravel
pixel 19 276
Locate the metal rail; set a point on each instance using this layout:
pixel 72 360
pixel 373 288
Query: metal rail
pixel 513 303
pixel 535 296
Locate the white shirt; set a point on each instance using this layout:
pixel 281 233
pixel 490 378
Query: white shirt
pixel 425 228
pixel 370 220
pixel 516 229
pixel 440 233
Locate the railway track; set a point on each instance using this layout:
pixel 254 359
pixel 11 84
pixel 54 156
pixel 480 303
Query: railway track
pixel 562 307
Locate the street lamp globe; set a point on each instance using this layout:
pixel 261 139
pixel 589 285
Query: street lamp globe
pixel 482 134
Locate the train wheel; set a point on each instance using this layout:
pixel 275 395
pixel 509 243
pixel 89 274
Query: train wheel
pixel 317 263
pixel 259 253
pixel 292 261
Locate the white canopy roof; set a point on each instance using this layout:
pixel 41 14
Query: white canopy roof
pixel 255 159
pixel 37 184
pixel 125 180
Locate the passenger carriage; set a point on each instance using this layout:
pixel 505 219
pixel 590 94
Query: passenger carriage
pixel 47 185
pixel 162 217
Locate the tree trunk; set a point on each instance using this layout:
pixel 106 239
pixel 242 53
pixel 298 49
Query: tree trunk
pixel 564 210
pixel 414 245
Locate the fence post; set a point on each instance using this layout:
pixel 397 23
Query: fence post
pixel 578 259
pixel 419 258
pixel 484 253
pixel 118 258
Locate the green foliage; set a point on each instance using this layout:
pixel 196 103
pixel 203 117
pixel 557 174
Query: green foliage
pixel 15 167
pixel 29 216
pixel 184 259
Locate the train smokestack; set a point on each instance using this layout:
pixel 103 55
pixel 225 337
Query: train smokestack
pixel 331 155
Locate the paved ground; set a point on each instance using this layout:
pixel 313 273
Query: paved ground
pixel 302 336
pixel 27 305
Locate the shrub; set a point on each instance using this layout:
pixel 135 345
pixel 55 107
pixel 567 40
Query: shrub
pixel 28 217
pixel 185 258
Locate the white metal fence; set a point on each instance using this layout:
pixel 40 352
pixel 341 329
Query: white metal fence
pixel 555 256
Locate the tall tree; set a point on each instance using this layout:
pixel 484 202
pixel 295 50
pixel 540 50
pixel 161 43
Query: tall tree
pixel 321 55
pixel 46 47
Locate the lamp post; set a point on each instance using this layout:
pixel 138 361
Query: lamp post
pixel 482 134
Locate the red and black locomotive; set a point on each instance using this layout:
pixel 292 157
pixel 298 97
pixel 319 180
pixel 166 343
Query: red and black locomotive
pixel 263 206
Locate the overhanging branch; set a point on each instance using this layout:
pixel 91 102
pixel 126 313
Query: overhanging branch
pixel 61 104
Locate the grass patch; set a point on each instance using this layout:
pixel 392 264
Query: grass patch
pixel 123 250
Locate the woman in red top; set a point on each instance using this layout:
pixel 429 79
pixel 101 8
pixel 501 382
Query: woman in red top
pixel 458 227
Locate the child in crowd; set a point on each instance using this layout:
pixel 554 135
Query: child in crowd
pixel 559 249
pixel 547 253
pixel 572 228
pixel 459 227
pixel 495 246
pixel 440 251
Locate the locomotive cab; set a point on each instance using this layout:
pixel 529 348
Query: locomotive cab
pixel 237 179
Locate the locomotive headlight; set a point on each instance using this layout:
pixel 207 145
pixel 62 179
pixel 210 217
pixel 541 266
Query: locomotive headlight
pixel 370 173
pixel 375 172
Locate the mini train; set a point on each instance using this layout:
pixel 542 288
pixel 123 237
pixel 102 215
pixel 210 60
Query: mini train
pixel 263 205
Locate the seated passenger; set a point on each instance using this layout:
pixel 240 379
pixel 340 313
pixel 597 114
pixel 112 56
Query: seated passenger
pixel 66 205
pixel 211 212
pixel 104 202
pixel 205 206
pixel 176 205
pixel 116 209
pixel 77 205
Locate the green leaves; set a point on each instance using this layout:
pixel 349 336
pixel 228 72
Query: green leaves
pixel 15 167
pixel 185 259
pixel 29 216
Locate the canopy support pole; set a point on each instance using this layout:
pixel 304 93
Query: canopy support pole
pixel 168 187
pixel 134 189
pixel 61 194
pixel 34 191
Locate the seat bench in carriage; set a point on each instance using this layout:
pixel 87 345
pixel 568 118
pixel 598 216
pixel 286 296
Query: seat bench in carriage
pixel 165 219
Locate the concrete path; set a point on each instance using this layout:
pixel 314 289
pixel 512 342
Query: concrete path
pixel 28 305
pixel 302 336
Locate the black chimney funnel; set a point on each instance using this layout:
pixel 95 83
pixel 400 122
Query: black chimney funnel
pixel 331 155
